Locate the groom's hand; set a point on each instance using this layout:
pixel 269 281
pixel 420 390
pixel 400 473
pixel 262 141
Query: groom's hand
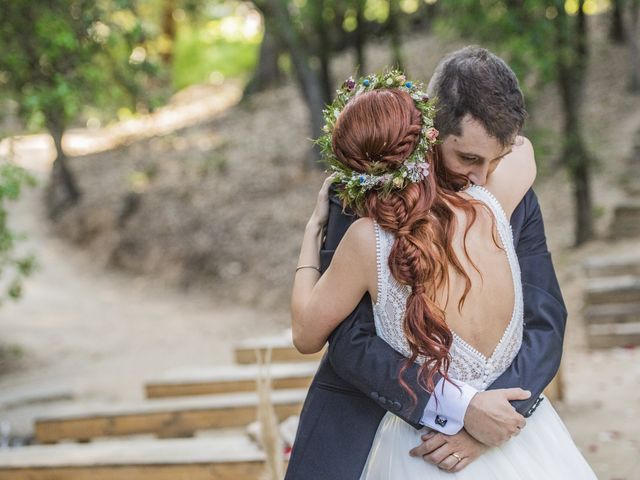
pixel 491 419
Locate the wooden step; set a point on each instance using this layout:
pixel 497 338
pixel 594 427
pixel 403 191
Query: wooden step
pixel 165 417
pixel 626 220
pixel 609 335
pixel 612 265
pixel 622 289
pixel 206 458
pixel 282 350
pixel 227 379
pixel 613 313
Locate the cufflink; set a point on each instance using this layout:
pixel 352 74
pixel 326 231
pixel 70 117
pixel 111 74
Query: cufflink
pixel 441 421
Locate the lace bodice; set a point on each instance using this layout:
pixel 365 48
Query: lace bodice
pixel 467 364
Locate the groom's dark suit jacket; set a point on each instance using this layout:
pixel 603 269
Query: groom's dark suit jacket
pixel 357 381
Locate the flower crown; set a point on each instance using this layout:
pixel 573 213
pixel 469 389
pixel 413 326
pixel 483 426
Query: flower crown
pixel 354 185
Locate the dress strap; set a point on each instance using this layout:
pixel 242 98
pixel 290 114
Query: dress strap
pixel 384 242
pixel 484 195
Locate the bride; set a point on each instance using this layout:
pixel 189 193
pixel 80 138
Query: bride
pixel 441 270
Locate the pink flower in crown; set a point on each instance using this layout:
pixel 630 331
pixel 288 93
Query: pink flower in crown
pixel 423 169
pixel 386 178
pixel 432 134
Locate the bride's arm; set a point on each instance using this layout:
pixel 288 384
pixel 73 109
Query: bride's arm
pixel 320 303
pixel 514 175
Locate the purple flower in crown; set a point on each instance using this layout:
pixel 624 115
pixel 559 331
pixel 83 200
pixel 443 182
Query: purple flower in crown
pixel 349 83
pixel 423 169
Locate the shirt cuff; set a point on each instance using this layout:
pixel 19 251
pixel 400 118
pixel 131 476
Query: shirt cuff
pixel 447 406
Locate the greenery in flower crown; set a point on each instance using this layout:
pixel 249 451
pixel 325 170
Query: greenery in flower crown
pixel 354 185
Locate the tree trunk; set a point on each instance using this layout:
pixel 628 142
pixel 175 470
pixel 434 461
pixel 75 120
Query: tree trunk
pixel 267 73
pixel 168 25
pixel 616 27
pixel 572 65
pixel 360 38
pixel 61 174
pixel 428 13
pixel 632 45
pixel 322 49
pixel 393 26
pixel 308 80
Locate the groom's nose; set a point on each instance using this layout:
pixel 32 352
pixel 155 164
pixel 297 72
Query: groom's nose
pixel 479 176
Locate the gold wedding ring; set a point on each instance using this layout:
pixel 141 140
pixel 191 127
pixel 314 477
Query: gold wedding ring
pixel 457 457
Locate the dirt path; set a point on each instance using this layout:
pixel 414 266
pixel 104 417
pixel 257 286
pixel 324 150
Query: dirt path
pixel 82 332
pixel 98 334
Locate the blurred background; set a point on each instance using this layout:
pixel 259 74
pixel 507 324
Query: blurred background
pixel 156 174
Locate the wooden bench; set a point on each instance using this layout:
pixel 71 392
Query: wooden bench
pixel 613 265
pixel 227 379
pixel 226 457
pixel 612 301
pixel 281 346
pixel 613 290
pixel 165 417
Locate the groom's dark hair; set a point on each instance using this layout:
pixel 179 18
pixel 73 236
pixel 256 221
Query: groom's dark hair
pixel 474 81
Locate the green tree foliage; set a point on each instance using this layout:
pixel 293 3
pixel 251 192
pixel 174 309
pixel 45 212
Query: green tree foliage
pixel 310 32
pixel 13 267
pixel 60 56
pixel 546 39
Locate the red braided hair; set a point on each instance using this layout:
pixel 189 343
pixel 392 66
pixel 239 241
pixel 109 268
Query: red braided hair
pixel 384 126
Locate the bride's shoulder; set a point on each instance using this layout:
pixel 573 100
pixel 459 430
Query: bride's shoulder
pixel 514 176
pixel 359 241
pixel 356 252
pixel 361 234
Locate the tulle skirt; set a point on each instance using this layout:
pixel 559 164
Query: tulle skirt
pixel 543 450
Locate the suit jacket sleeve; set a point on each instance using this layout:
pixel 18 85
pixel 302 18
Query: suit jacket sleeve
pixel 545 314
pixel 357 354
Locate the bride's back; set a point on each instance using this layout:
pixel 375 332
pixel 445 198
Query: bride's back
pixel 489 304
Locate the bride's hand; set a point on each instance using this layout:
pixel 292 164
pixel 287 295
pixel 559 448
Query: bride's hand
pixel 438 449
pixel 320 214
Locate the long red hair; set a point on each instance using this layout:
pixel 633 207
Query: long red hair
pixel 384 126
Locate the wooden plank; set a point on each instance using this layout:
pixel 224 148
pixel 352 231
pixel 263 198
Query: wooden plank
pixel 281 346
pixel 555 390
pixel 623 289
pixel 613 335
pixel 178 417
pixel 612 265
pixel 226 471
pixel 222 458
pixel 616 313
pixel 233 378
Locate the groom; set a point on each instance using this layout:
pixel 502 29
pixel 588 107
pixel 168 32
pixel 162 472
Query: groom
pixel 480 113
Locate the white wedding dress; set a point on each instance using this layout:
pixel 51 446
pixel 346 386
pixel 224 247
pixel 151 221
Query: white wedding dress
pixel 543 450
